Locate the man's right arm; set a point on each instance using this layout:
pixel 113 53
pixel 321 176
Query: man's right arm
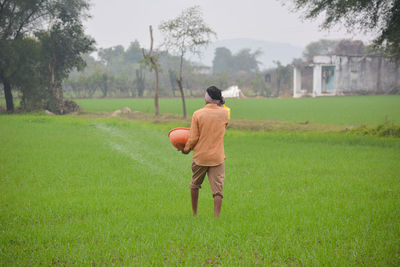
pixel 193 135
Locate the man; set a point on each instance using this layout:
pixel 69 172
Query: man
pixel 206 139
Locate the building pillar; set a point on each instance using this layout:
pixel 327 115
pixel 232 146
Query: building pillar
pixel 317 81
pixel 297 82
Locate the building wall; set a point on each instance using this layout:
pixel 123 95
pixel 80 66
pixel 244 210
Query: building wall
pixel 352 75
pixel 358 74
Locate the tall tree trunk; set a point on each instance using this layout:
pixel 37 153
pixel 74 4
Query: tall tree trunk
pixel 156 93
pixel 180 84
pixel 279 88
pixel 153 59
pixel 182 96
pixel 190 90
pixel 56 96
pixel 8 95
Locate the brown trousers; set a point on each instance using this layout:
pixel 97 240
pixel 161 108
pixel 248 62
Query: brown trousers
pixel 216 177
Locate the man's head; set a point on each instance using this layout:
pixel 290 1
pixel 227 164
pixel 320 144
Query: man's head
pixel 214 96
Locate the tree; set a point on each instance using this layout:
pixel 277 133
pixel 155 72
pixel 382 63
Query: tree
pixel 381 17
pixel 104 83
pixel 321 47
pixel 114 59
pixel 223 60
pixel 19 19
pixel 140 82
pixel 186 33
pixel 259 85
pixel 27 78
pixel 349 47
pixel 16 19
pixel 244 60
pixel 221 79
pixel 112 55
pixel 90 84
pixel 329 47
pixel 152 59
pixel 282 75
pixel 172 80
pixel 123 84
pixel 134 53
pixel 62 48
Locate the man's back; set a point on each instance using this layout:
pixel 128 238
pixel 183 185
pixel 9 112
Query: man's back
pixel 207 134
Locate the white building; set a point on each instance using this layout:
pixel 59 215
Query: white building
pixel 341 75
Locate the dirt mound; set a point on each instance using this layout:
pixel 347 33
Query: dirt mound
pixel 70 106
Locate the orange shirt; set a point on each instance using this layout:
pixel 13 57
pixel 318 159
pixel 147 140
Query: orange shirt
pixel 206 137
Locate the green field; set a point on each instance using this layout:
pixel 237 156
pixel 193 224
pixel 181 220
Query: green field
pixel 354 110
pixel 80 191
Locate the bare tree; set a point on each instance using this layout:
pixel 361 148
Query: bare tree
pixel 186 33
pixel 152 59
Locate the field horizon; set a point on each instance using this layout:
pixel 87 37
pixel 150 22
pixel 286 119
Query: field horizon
pixel 344 111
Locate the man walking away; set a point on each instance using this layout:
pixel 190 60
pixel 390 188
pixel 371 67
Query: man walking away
pixel 206 139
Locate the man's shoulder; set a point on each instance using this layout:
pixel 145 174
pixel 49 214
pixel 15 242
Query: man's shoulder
pixel 206 112
pixel 201 110
pixel 197 111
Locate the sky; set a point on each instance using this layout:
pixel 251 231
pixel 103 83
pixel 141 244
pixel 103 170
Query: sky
pixel 119 22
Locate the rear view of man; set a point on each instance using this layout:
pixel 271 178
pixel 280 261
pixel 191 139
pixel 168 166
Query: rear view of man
pixel 206 139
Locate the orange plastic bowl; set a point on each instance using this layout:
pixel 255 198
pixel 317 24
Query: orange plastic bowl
pixel 179 137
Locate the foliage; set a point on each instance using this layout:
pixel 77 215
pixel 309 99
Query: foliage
pixel 186 33
pixel 114 59
pixel 21 60
pixel 332 47
pixel 172 80
pixel 223 60
pixel 321 47
pixel 245 60
pixel 122 70
pixel 381 17
pixel 140 82
pixel 133 53
pixel 387 129
pixel 116 65
pixel 62 47
pixel 84 85
pixel 242 61
pixel 283 75
pixel 222 79
pixel 19 18
pixel 57 51
pixel 105 83
pixel 350 47
pixel 259 85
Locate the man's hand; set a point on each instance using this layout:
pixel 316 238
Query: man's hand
pixel 184 151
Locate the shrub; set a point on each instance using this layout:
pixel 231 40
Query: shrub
pixel 387 129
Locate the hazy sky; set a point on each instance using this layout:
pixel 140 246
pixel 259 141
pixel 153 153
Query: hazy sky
pixel 116 22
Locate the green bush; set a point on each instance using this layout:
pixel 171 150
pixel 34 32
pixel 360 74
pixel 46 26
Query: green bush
pixel 387 129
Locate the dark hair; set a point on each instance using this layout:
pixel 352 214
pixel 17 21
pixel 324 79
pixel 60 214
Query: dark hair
pixel 216 94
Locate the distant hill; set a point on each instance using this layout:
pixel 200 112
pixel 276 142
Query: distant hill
pixel 272 51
